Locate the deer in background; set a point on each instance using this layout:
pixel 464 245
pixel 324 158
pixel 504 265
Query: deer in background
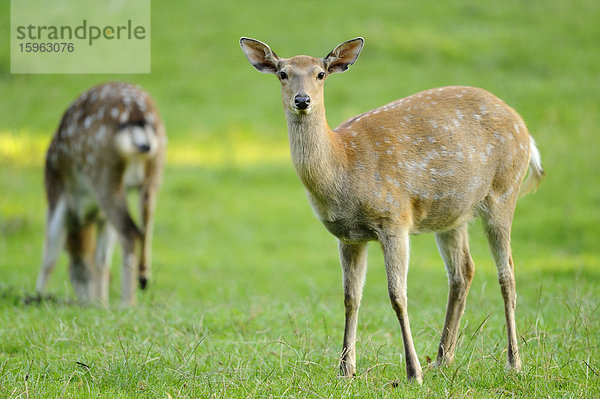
pixel 110 139
pixel 429 162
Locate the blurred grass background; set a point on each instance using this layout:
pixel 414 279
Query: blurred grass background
pixel 239 257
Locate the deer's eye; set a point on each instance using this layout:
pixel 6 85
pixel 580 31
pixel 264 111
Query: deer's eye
pixel 321 75
pixel 283 75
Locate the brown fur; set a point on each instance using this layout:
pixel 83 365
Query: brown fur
pixel 86 179
pixel 426 163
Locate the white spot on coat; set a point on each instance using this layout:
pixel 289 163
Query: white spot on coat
pixel 389 199
pixel 149 117
pixel 141 104
pixel 100 114
pixel 70 130
pixel 101 133
pixel 124 117
pixel 88 121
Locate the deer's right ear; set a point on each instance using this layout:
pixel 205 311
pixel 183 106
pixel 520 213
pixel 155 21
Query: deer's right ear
pixel 260 55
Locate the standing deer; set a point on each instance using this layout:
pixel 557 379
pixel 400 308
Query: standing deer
pixel 430 162
pixel 110 139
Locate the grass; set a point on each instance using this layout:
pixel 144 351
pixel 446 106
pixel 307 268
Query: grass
pixel 246 296
pixel 250 305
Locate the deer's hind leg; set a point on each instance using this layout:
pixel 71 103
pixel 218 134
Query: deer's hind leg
pixel 453 246
pixel 497 221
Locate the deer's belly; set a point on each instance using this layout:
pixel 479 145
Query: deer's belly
pixel 82 204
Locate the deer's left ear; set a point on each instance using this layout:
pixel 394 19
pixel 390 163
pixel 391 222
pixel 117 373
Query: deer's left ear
pixel 259 54
pixel 343 55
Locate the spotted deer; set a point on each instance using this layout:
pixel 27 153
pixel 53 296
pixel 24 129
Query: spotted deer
pixel 109 140
pixel 429 162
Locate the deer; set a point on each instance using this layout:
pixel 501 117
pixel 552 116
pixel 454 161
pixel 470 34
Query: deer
pixel 110 140
pixel 427 163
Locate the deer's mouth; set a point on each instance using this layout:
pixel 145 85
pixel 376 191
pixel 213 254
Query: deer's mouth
pixel 300 109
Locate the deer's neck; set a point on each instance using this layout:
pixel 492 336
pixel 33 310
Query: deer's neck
pixel 317 153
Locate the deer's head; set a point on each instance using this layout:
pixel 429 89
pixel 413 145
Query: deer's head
pixel 302 77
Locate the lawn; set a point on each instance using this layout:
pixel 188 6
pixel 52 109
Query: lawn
pixel 246 297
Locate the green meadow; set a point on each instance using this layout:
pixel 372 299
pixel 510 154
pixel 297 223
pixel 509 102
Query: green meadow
pixel 246 297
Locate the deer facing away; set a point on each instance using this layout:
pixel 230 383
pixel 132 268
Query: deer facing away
pixel 429 162
pixel 110 139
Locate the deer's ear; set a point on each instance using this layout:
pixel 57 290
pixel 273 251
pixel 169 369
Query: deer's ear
pixel 343 55
pixel 260 55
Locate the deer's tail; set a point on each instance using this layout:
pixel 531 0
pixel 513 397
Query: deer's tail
pixel 536 172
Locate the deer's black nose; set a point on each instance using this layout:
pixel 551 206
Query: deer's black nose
pixel 302 101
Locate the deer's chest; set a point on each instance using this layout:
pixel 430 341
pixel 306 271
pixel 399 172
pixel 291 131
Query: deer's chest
pixel 350 230
pixel 135 173
pixel 344 221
